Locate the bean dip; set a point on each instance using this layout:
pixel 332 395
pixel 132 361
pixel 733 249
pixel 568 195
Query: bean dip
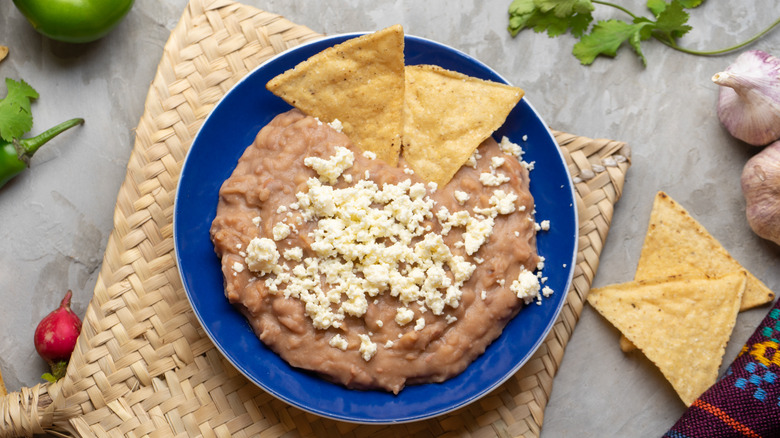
pixel 362 272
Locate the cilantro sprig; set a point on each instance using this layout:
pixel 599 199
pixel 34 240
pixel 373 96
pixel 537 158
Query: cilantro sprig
pixel 668 23
pixel 15 113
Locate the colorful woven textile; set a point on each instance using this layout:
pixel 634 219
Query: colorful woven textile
pixel 746 400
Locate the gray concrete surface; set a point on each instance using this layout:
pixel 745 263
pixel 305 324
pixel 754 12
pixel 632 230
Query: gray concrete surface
pixel 56 218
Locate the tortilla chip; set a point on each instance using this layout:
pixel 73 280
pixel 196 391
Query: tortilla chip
pixel 682 324
pixel 447 115
pixel 360 82
pixel 3 52
pixel 3 390
pixel 678 244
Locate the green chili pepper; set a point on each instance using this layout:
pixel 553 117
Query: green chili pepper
pixel 15 156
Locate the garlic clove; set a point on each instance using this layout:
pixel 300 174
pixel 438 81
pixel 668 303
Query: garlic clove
pixel 761 188
pixel 749 98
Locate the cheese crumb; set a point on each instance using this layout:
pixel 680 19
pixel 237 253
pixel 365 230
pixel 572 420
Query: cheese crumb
pixel 510 148
pixel 262 256
pixel 492 179
pixel 404 315
pixel 280 231
pixel 336 124
pixel 419 324
pixel 238 267
pixel 294 254
pixel 367 348
pixel 329 170
pixel 526 286
pixel 337 341
pixel 461 197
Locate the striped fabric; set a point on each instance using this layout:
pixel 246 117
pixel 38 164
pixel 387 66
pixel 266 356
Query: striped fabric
pixel 745 402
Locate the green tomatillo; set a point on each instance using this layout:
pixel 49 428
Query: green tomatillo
pixel 74 21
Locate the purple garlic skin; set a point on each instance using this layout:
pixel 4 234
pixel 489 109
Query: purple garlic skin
pixel 749 98
pixel 761 188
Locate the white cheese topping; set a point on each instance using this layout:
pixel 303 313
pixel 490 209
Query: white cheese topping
pixel 330 170
pixel 461 197
pixel 367 348
pixel 371 240
pixel 262 256
pixel 526 286
pixel 280 231
pixel 337 341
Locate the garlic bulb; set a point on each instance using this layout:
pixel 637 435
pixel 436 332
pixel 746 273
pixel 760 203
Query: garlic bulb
pixel 761 187
pixel 749 100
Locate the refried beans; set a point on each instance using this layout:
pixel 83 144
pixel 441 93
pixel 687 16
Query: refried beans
pixel 362 272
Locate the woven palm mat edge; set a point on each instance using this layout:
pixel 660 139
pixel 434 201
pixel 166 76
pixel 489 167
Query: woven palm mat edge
pixel 144 366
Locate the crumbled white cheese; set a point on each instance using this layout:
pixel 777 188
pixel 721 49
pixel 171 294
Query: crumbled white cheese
pixel 510 148
pixel 404 315
pixel 280 231
pixel 371 240
pixel 329 170
pixel 477 233
pixel 238 267
pixel 370 155
pixel 526 286
pixel 337 341
pixel 262 256
pixel 294 254
pixel 492 179
pixel 367 348
pixel 472 161
pixel 461 196
pixel 336 125
pixel 497 162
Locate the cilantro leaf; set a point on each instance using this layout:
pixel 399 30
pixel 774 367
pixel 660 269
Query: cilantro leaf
pixel 565 8
pixel 671 21
pixel 658 6
pixel 520 12
pixel 547 22
pixel 607 37
pixel 15 113
pixel 690 4
pixel 526 14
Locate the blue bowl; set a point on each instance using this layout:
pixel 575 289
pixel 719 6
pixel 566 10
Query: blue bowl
pixel 233 125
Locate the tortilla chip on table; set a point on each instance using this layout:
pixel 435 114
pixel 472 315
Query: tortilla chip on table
pixel 676 243
pixel 682 324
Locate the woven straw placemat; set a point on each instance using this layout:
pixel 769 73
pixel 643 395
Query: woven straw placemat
pixel 143 365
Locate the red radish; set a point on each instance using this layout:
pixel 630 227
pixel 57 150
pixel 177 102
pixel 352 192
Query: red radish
pixel 55 336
